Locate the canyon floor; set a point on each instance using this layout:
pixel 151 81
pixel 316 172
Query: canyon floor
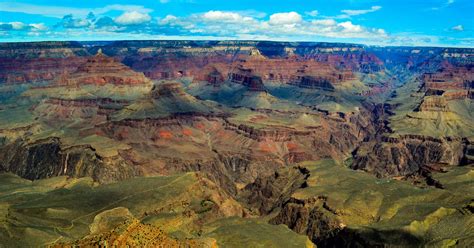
pixel 235 144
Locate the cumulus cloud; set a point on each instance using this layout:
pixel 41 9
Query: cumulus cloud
pixel 104 21
pixel 69 21
pixel 132 18
pixel 60 11
pixel 222 16
pixel 278 26
pixel 351 12
pixel 20 26
pixel 168 20
pixel 324 22
pixel 458 28
pixel 38 27
pixel 17 25
pixel 214 24
pixel 313 13
pixel 288 18
pixel 350 28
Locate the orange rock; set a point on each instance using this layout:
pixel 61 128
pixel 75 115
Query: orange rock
pixel 187 132
pixel 165 135
pixel 200 126
pixel 267 147
pixel 291 146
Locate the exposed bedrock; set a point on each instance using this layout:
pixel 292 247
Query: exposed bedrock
pixel 227 153
pixel 49 158
pixel 274 194
pixel 409 155
pixel 311 217
pixel 214 169
pixel 433 103
pixel 266 194
pixel 100 70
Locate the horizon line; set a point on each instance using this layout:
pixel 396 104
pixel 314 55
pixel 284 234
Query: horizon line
pixel 244 40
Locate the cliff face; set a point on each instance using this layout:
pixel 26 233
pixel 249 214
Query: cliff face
pixel 409 155
pixel 157 145
pixel 27 70
pixel 100 70
pixel 322 71
pixel 266 123
pixel 451 82
pixel 48 158
pixel 425 131
pixel 308 217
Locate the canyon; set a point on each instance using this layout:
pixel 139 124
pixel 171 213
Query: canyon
pixel 235 143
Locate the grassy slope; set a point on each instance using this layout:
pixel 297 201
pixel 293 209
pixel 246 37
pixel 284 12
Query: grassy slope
pixel 434 216
pixel 60 209
pixel 238 232
pixel 458 122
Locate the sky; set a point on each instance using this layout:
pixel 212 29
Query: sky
pixel 371 22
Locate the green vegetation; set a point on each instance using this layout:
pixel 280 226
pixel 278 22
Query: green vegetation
pixel 456 122
pixel 255 119
pixel 238 232
pixel 362 202
pixel 63 210
pixel 342 100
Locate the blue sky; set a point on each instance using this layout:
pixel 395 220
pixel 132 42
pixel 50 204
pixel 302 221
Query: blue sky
pixel 373 22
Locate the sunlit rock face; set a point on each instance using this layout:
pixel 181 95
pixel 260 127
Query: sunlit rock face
pixel 189 138
pixel 101 69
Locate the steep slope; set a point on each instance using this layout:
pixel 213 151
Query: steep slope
pixel 175 211
pixel 167 99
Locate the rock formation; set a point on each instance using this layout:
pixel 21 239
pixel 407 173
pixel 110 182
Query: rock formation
pixel 100 70
pixel 269 130
pixel 434 103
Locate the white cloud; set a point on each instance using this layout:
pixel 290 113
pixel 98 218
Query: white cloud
pixel 38 27
pixel 218 25
pixel 132 18
pixel 278 26
pixel 18 25
pixel 60 11
pixel 351 12
pixel 350 28
pixel 324 22
pixel 288 18
pixel 222 16
pixel 446 4
pixel 169 19
pixel 458 28
pixel 313 13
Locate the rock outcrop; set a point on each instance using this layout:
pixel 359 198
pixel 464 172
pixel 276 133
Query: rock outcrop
pixel 266 194
pixel 49 158
pixel 311 217
pixel 247 78
pixel 312 83
pixel 433 103
pixel 100 70
pixel 409 155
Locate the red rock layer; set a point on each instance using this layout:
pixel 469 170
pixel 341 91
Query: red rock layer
pixel 100 70
pixel 216 69
pixel 36 69
pixel 449 83
pixel 450 78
